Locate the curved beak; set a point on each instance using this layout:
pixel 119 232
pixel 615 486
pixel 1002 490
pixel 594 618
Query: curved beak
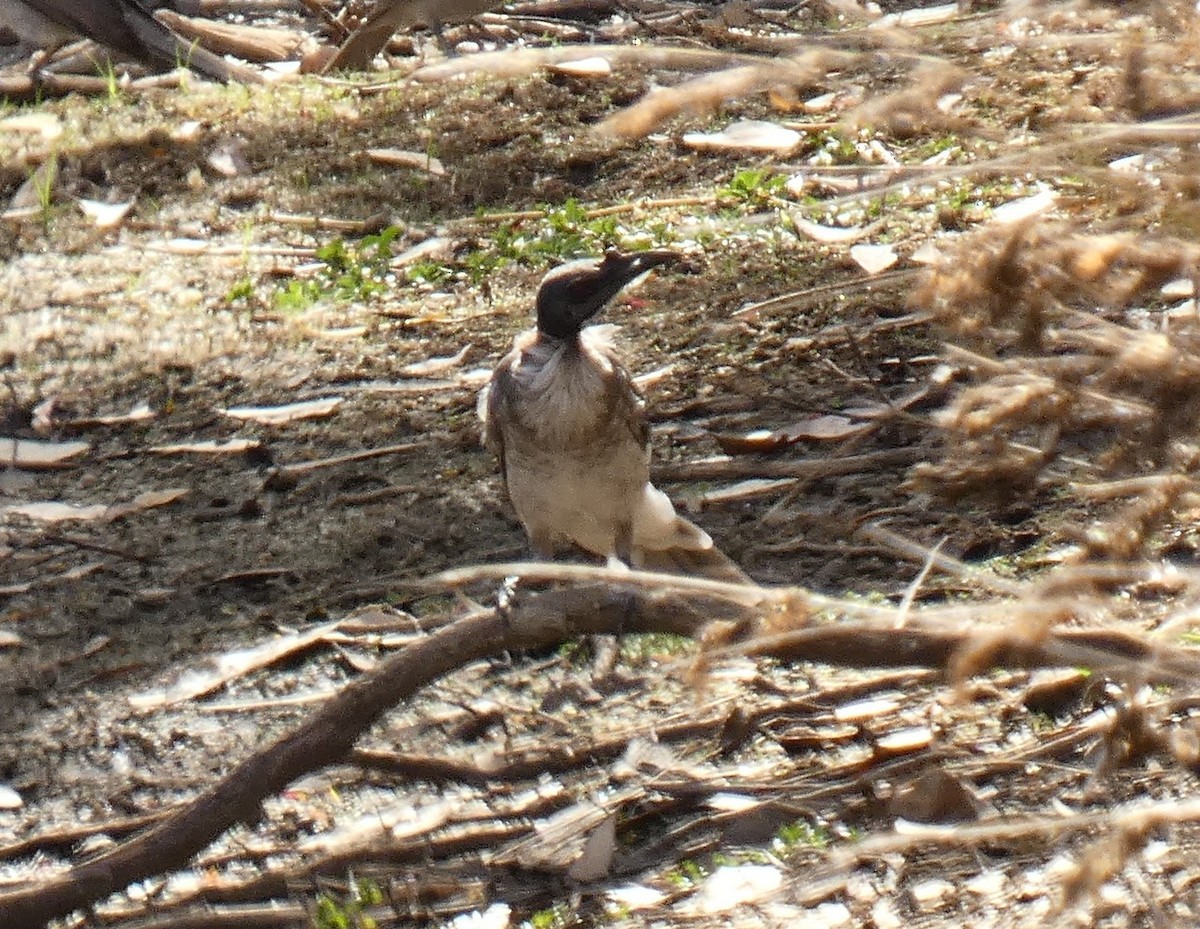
pixel 618 270
pixel 575 292
pixel 626 267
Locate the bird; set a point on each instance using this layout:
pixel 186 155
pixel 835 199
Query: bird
pixel 386 16
pixel 568 423
pixel 125 26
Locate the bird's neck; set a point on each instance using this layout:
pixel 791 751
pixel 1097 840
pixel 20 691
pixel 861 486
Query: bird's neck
pixel 571 341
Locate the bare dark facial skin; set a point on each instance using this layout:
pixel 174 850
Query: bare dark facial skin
pixel 576 292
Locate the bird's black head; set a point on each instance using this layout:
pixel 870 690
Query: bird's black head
pixel 573 293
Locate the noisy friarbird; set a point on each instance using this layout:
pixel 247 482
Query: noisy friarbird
pixel 124 26
pixel 569 426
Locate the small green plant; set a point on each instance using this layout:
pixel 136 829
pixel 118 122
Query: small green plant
pixel 566 234
pixel 801 834
pixel 349 912
pixel 112 85
pixel 428 272
pixel 356 271
pixel 573 652
pixel 687 873
pixel 752 856
pixel 961 195
pixel 480 265
pixel 651 645
pixel 936 146
pixel 242 291
pixel 877 207
pixel 44 180
pixel 841 149
pixel 553 917
pixel 661 233
pixel 296 296
pixel 753 187
pixel 566 231
pixel 183 58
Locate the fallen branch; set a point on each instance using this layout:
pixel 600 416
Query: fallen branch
pixel 330 733
pixel 543 620
pixel 723 468
pixel 964 651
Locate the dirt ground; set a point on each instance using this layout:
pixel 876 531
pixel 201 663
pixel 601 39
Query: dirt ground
pixel 842 397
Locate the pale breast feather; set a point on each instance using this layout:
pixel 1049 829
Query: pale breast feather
pixel 562 395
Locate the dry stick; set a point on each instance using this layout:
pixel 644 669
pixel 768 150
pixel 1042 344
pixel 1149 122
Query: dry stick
pixel 328 735
pixel 541 758
pixel 801 298
pixel 430 849
pixel 868 645
pixel 517 62
pixel 21 87
pixel 614 210
pixel 905 548
pixel 1040 159
pixel 557 759
pixel 310 221
pixel 63 538
pixel 1135 817
pixel 1132 409
pixel 303 467
pixel 328 20
pixel 255 916
pixel 276 885
pixel 717 469
pixel 910 595
pixel 542 620
pixel 63 840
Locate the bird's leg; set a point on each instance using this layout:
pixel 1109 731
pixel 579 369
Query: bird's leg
pixel 506 596
pixel 509 595
pixel 606 649
pixel 623 544
pixel 624 547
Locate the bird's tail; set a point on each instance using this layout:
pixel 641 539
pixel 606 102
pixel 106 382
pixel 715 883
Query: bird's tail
pixel 710 562
pixel 665 541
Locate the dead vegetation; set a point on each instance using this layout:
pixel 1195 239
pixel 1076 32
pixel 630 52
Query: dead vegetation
pixel 945 341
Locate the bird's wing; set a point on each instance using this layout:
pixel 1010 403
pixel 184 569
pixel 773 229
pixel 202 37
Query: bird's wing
pixel 687 549
pixel 626 404
pixel 126 27
pixel 492 399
